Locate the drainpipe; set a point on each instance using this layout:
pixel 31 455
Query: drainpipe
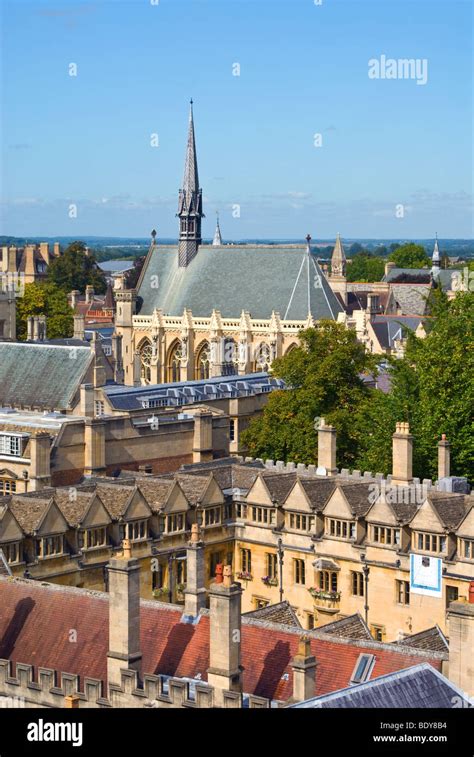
pixel 280 560
pixel 366 571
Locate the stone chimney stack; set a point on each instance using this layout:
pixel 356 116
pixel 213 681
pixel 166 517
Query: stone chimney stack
pixel 202 441
pixel 89 293
pixel 29 328
pixel 73 298
pixel 44 251
pixel 195 594
pixel 461 643
pixel 56 250
pixel 40 461
pixel 225 671
pixel 388 267
pixel 304 670
pixel 326 449
pixel 444 458
pixel 402 452
pixel 94 447
pixel 79 327
pixel 41 328
pixel 30 269
pixel 36 329
pixel 124 615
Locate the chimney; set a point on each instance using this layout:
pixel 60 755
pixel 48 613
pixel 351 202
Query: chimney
pixel 30 270
pixel 94 447
pixel 40 461
pixel 402 454
pixel 73 298
pixel 326 449
pixel 225 671
pixel 41 328
pixel 444 458
pixel 124 615
pixel 29 328
pixel 89 293
pixel 56 250
pixel 79 327
pixel 388 267
pixel 36 337
pixel 461 643
pixel 44 251
pixel 71 702
pixel 202 442
pixel 11 268
pixel 86 401
pixel 195 594
pixel 304 670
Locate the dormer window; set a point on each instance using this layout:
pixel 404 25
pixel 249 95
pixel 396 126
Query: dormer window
pixel 173 523
pixel 135 530
pixel 263 515
pixel 49 546
pixel 467 549
pixel 92 537
pixel 340 529
pixel 12 552
pixel 299 522
pixel 12 444
pixel 383 535
pixel 212 516
pixel 429 542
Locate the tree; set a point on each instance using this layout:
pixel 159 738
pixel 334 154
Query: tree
pixel 432 389
pixel 365 267
pixel 324 376
pixel 45 299
pixel 75 269
pixel 410 256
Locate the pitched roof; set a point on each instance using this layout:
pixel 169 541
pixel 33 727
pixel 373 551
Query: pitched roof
pixel 36 618
pixel 279 485
pixel 29 512
pixel 352 627
pixel 418 686
pixel 451 509
pixel 41 375
pixel 358 497
pixel 318 490
pixel 281 613
pixel 257 279
pixel 432 639
pixel 411 298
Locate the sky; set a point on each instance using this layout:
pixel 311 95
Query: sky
pixel 293 134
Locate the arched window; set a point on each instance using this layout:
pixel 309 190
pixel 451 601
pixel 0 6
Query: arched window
pixel 230 358
pixel 146 354
pixel 174 363
pixel 263 359
pixel 203 362
pixel 291 348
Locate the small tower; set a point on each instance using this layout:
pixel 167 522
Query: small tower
pixel 190 202
pixel 217 241
pixel 436 258
pixel 338 260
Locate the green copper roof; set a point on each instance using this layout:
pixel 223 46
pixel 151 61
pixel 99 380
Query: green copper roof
pixel 231 278
pixel 41 375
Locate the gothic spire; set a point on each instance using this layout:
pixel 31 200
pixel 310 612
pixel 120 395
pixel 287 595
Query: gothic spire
pixel 436 258
pixel 338 260
pixel 217 241
pixel 190 202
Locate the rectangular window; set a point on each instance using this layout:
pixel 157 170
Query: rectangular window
pixel 341 529
pixel 175 522
pixel 240 510
pixel 232 430
pixel 245 560
pixel 49 546
pixel 99 408
pixel 328 580
pixel 403 592
pixel 378 632
pixel 357 583
pixel 452 595
pixel 363 668
pixel 383 535
pixel 137 530
pixel 299 571
pixel 271 565
pixel 181 572
pixel 212 516
pixel 309 621
pixel 11 445
pixel 301 522
pixel 12 552
pixel 7 486
pixel 467 549
pixel 430 542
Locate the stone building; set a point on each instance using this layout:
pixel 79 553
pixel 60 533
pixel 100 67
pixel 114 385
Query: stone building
pixel 30 262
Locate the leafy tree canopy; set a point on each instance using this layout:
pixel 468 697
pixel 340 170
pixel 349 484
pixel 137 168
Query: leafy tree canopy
pixel 45 299
pixel 75 270
pixel 365 267
pixel 410 256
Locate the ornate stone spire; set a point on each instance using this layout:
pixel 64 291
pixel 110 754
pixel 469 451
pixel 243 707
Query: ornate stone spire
pixel 338 260
pixel 217 241
pixel 436 258
pixel 190 202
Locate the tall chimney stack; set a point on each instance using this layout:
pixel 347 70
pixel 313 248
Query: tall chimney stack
pixel 304 669
pixel 402 450
pixel 444 458
pixel 225 671
pixel 195 594
pixel 326 449
pixel 461 643
pixel 124 615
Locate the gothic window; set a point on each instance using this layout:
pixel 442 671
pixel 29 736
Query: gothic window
pixel 191 226
pixel 146 354
pixel 263 358
pixel 174 363
pixel 230 361
pixel 183 224
pixel 203 363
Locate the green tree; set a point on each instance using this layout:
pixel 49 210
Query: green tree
pixel 324 374
pixel 410 256
pixel 365 267
pixel 45 299
pixel 74 269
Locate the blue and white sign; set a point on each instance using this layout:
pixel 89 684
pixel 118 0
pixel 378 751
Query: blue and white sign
pixel 425 575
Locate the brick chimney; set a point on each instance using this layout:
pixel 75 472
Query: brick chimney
pixel 402 452
pixel 195 594
pixel 124 615
pixel 326 449
pixel 304 669
pixel 444 458
pixel 461 643
pixel 225 671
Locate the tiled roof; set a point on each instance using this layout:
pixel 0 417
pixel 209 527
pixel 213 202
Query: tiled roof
pixel 73 508
pixel 451 509
pixel 29 512
pixel 41 375
pixel 115 498
pixel 352 627
pixel 417 686
pixel 432 639
pixel 193 487
pixel 411 298
pixel 155 491
pixel 281 613
pixel 257 279
pixel 279 485
pixel 358 497
pixel 36 618
pixel 318 490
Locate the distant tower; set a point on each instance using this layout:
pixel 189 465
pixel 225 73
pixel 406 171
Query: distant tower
pixel 190 202
pixel 338 260
pixel 436 258
pixel 217 241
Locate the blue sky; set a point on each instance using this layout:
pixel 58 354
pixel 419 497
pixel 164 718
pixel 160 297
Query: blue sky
pixel 85 140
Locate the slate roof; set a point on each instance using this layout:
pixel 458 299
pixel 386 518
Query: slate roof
pixel 41 375
pixel 36 618
pixel 115 498
pixel 29 512
pixel 420 275
pixel 352 627
pixel 318 491
pixel 418 686
pixel 432 639
pixel 231 279
pixel 389 328
pixel 411 298
pixel 279 485
pixel 358 497
pixel 73 509
pixel 451 509
pixel 281 613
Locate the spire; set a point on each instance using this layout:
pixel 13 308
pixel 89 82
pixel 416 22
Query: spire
pixel 217 241
pixel 338 260
pixel 436 258
pixel 190 202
